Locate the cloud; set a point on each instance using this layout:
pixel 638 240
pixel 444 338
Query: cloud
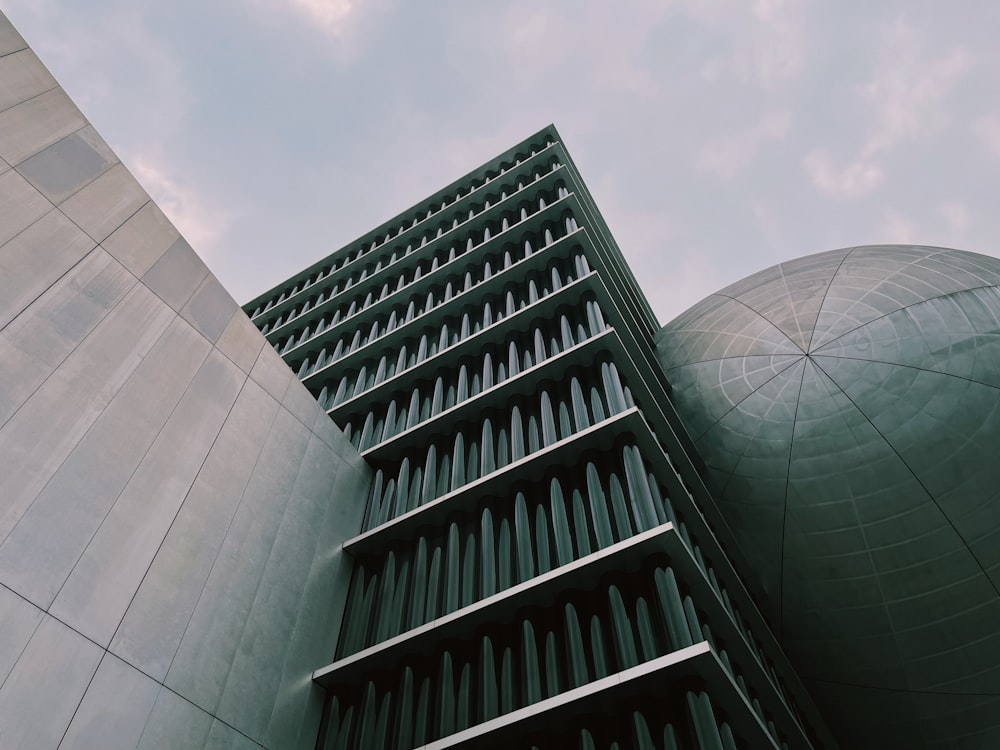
pixel 692 276
pixel 956 215
pixel 768 221
pixel 987 128
pixel 201 220
pixel 896 228
pixel 330 15
pixel 946 224
pixel 850 180
pixel 313 24
pixel 540 41
pixel 767 40
pixel 776 50
pixel 909 87
pixel 904 100
pixel 727 155
pixel 530 29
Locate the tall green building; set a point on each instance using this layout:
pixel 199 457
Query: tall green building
pixel 540 564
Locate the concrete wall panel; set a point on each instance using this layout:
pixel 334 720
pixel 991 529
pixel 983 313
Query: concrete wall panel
pixel 42 691
pixel 210 309
pixel 22 76
pixel 224 737
pixel 206 653
pixel 18 620
pixel 40 435
pixel 241 341
pixel 299 401
pixel 159 614
pixel 35 259
pixel 175 722
pixel 298 704
pixel 63 315
pixel 176 275
pixel 97 593
pixel 42 549
pixel 67 165
pixel 142 239
pixel 272 373
pixel 10 40
pixel 104 205
pixel 114 709
pixel 22 205
pixel 255 683
pixel 39 122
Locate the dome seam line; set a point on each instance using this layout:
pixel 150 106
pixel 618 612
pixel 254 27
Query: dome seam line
pixel 923 487
pixel 899 690
pixel 784 508
pixel 822 302
pixel 902 364
pixel 899 309
pixel 762 317
pixel 798 358
pixel 861 527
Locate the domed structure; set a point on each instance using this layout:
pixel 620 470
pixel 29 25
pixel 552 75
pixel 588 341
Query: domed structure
pixel 847 406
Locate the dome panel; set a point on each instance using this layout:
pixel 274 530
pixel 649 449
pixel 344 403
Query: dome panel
pixel 946 429
pixel 840 467
pixel 725 328
pixel 958 334
pixel 727 382
pixel 747 449
pixel 876 281
pixel 959 721
pixel 789 295
pixel 872 714
pixel 762 423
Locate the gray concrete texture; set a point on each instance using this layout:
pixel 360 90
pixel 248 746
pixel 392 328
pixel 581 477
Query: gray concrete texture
pixel 170 496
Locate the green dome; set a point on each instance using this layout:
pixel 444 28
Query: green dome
pixel 847 406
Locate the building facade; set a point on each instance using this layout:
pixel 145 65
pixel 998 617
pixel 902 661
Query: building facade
pixel 539 564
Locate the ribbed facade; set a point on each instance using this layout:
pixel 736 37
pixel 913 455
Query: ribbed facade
pixel 539 563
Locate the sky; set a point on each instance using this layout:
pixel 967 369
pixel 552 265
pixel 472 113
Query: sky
pixel 718 137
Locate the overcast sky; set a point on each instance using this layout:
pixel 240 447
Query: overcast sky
pixel 717 136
